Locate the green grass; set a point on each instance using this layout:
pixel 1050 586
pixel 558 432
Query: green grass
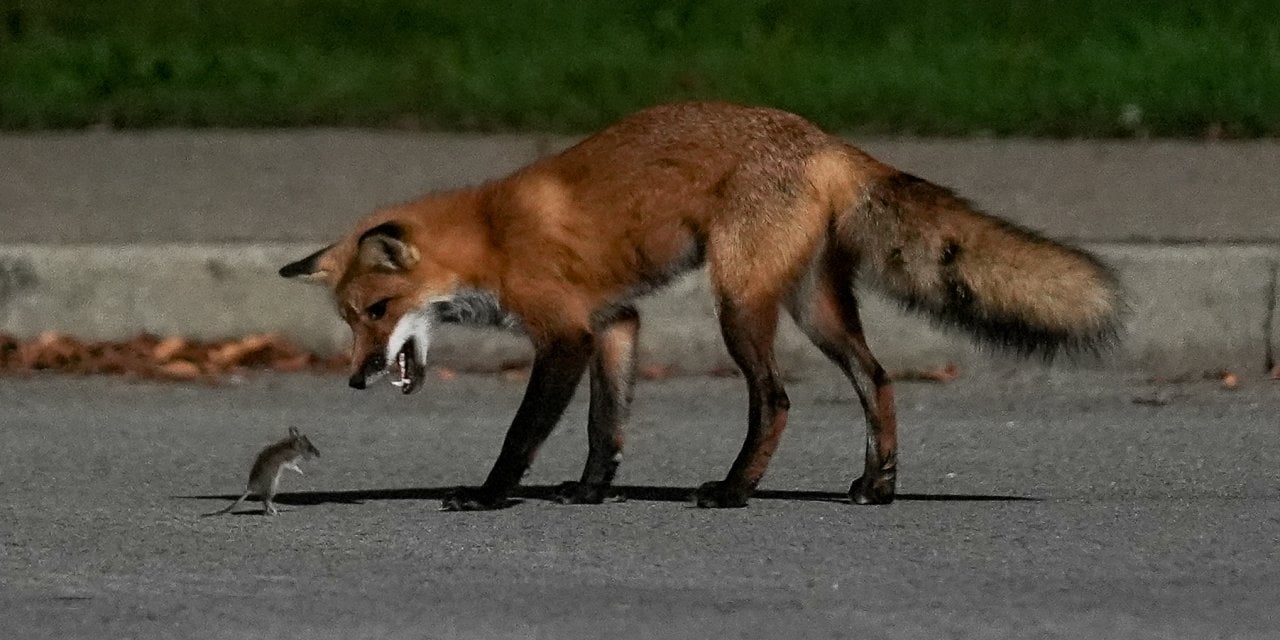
pixel 935 67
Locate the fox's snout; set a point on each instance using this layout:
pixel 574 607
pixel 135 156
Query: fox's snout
pixel 373 366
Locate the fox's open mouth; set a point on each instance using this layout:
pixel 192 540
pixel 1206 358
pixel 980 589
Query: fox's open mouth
pixel 408 371
pixel 405 354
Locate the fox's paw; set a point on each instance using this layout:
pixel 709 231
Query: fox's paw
pixel 720 495
pixel 586 493
pixel 475 499
pixel 877 491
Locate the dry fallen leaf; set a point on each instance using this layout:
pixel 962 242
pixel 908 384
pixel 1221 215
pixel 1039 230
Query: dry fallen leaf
pixel 178 370
pixel 1228 379
pixel 946 373
pixel 168 348
pixel 51 350
pixel 235 352
pixel 148 356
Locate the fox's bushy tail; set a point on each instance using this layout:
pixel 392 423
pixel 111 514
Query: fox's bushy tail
pixel 1007 286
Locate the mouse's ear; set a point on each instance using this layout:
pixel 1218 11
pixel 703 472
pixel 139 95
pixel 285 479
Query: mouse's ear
pixel 293 431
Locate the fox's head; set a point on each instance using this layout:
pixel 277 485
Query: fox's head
pixel 385 287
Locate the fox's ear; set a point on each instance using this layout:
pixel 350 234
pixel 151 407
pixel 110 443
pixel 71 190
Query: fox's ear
pixel 313 267
pixel 293 431
pixel 384 247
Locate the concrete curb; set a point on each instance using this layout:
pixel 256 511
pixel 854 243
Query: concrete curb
pixel 1194 308
pixel 211 186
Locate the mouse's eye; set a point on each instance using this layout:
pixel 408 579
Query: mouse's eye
pixel 378 309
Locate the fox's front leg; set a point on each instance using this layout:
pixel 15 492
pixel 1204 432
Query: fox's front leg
pixel 613 376
pixel 557 369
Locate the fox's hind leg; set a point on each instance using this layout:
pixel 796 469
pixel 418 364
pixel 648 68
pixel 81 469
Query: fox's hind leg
pixel 748 328
pixel 747 299
pixel 613 376
pixel 825 308
pixel 755 250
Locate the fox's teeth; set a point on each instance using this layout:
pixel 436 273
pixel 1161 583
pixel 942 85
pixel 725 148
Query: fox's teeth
pixel 404 374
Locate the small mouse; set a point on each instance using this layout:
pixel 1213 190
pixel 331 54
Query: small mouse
pixel 264 478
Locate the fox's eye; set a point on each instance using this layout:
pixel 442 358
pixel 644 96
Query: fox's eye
pixel 378 309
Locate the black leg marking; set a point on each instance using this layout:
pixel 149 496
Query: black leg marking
pixel 552 381
pixel 613 372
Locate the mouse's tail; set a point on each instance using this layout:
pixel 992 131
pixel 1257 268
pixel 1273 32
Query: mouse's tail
pixel 230 508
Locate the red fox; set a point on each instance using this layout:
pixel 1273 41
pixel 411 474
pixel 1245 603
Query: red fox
pixel 783 215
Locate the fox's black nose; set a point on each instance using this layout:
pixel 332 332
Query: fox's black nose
pixel 370 368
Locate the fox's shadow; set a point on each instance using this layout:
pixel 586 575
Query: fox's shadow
pixel 625 492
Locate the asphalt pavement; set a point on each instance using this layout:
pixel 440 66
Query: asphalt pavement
pixel 1033 504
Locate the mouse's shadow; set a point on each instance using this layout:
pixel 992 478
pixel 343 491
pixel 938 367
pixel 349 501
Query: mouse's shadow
pixel 623 492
